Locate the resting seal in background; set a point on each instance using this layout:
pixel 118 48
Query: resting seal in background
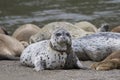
pixel 51 54
pixel 87 26
pixel 47 30
pixel 96 47
pixel 10 48
pixel 116 29
pixel 24 32
pixel 111 62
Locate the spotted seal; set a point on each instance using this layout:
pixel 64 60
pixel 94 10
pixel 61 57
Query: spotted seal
pixel 97 46
pixel 104 27
pixel 55 53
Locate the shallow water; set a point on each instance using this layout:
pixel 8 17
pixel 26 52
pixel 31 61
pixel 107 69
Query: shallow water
pixel 40 12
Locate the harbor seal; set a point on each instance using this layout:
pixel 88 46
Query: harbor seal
pixel 111 62
pixel 96 47
pixel 87 26
pixel 47 30
pixel 3 30
pixel 116 29
pixel 51 54
pixel 10 48
pixel 24 32
pixel 104 27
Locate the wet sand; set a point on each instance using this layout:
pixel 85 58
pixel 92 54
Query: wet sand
pixel 12 70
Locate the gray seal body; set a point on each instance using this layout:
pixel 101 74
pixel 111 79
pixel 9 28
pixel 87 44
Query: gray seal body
pixel 97 46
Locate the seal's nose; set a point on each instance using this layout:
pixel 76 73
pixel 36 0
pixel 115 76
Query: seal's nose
pixel 63 39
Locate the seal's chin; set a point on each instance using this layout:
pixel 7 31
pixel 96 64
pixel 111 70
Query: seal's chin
pixel 62 47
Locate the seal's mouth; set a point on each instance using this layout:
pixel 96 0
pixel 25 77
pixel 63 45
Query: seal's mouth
pixel 62 40
pixel 62 43
pixel 61 47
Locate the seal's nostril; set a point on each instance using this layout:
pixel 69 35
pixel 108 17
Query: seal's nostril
pixel 63 37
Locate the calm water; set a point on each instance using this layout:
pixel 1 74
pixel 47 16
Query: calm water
pixel 40 12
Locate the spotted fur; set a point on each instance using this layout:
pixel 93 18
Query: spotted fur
pixel 51 54
pixel 97 46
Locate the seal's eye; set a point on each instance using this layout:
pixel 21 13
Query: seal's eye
pixel 58 34
pixel 67 34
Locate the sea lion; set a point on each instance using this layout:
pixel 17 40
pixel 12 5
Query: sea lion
pixel 47 30
pixel 111 62
pixel 24 32
pixel 96 47
pixel 10 48
pixel 51 54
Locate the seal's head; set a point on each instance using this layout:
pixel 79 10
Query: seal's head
pixel 60 40
pixel 104 28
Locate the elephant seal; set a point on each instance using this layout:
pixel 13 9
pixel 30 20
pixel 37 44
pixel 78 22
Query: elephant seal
pixel 47 30
pixel 24 32
pixel 111 62
pixel 51 54
pixel 10 48
pixel 96 47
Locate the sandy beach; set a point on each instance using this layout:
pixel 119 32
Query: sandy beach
pixel 15 13
pixel 12 70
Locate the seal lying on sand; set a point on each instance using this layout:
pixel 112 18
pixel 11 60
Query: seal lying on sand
pixel 78 30
pixel 111 62
pixel 10 48
pixel 116 29
pixel 24 32
pixel 87 26
pixel 55 53
pixel 47 30
pixel 97 46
